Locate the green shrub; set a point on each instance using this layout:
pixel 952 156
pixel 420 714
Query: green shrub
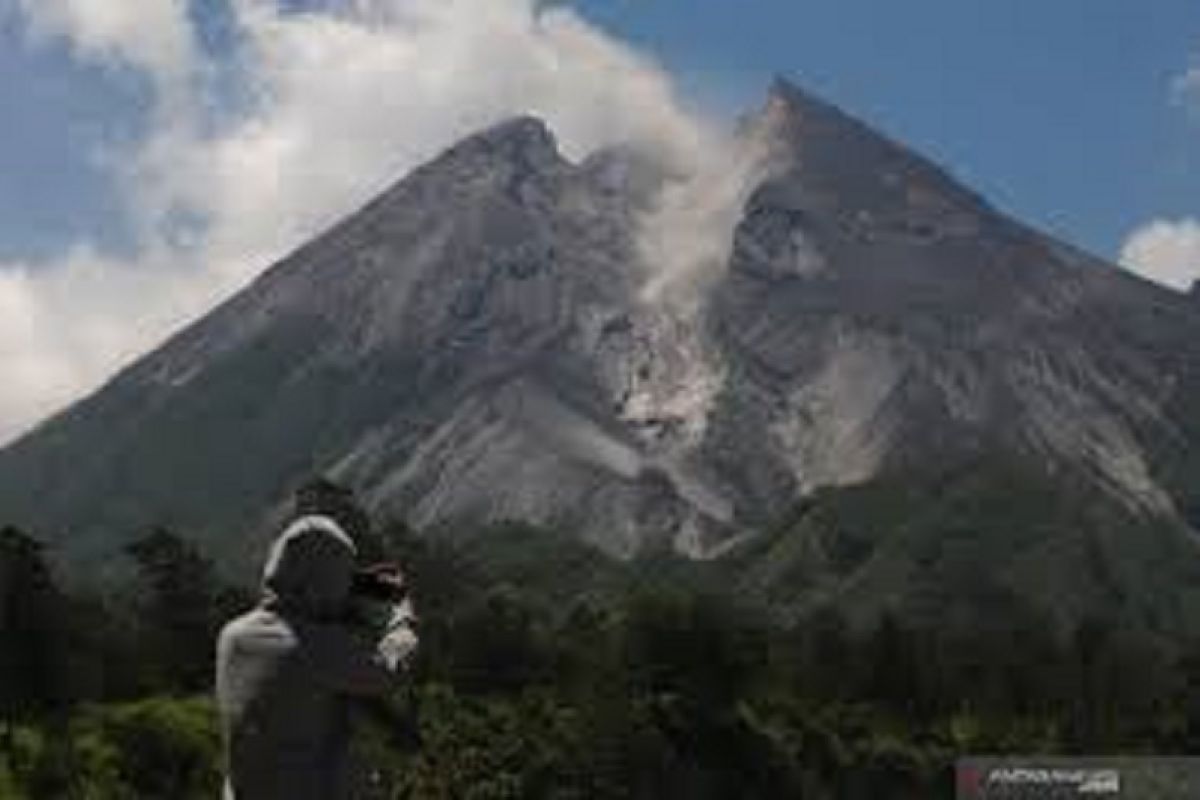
pixel 158 747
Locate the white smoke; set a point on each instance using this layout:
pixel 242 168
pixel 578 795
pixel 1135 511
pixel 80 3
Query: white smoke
pixel 684 243
pixel 687 237
pixel 333 104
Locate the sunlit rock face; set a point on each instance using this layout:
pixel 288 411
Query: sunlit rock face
pixel 641 356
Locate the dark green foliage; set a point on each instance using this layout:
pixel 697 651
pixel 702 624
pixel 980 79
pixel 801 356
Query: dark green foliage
pixel 658 678
pixel 497 646
pixel 157 747
pixel 685 692
pixel 32 630
pixel 152 748
pixel 180 606
pixel 693 646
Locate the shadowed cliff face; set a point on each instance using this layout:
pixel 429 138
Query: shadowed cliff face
pixel 635 355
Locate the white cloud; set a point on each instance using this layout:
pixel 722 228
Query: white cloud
pixel 151 36
pixel 63 329
pixel 341 102
pixel 1165 251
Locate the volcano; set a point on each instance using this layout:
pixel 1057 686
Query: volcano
pixel 873 360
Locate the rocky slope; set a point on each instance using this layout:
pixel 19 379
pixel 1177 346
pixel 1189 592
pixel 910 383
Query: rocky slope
pixel 886 314
pixel 493 338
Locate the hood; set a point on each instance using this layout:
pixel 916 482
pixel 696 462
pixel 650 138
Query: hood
pixel 310 569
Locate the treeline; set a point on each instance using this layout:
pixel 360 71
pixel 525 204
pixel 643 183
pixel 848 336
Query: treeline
pixel 547 671
pixel 104 696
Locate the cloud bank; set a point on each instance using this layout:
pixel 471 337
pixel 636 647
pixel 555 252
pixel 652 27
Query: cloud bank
pixel 152 36
pixel 328 107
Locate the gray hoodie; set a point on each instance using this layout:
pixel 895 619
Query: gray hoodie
pixel 288 670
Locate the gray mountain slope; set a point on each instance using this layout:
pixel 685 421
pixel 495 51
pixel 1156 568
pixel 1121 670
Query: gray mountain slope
pixel 475 345
pixel 440 350
pixel 884 316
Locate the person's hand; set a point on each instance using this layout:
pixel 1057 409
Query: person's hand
pixel 383 581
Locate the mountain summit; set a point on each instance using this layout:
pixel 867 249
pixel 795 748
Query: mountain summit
pixel 478 343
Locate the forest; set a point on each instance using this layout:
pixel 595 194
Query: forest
pixel 548 671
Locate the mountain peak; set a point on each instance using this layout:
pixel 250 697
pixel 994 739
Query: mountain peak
pixel 799 118
pixel 525 138
pixel 835 148
pixel 784 91
pixel 793 107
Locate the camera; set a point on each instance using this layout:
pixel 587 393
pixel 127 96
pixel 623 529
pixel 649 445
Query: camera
pixel 383 582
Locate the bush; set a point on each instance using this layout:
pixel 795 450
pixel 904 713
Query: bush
pixel 158 747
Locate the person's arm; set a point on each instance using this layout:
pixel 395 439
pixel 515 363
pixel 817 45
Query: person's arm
pixel 350 665
pixel 346 664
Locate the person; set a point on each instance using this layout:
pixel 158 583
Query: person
pixel 288 671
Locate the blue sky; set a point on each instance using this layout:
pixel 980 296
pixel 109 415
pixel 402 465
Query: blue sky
pixel 55 116
pixel 157 154
pixel 1059 111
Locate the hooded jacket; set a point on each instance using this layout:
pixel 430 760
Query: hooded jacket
pixel 288 671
